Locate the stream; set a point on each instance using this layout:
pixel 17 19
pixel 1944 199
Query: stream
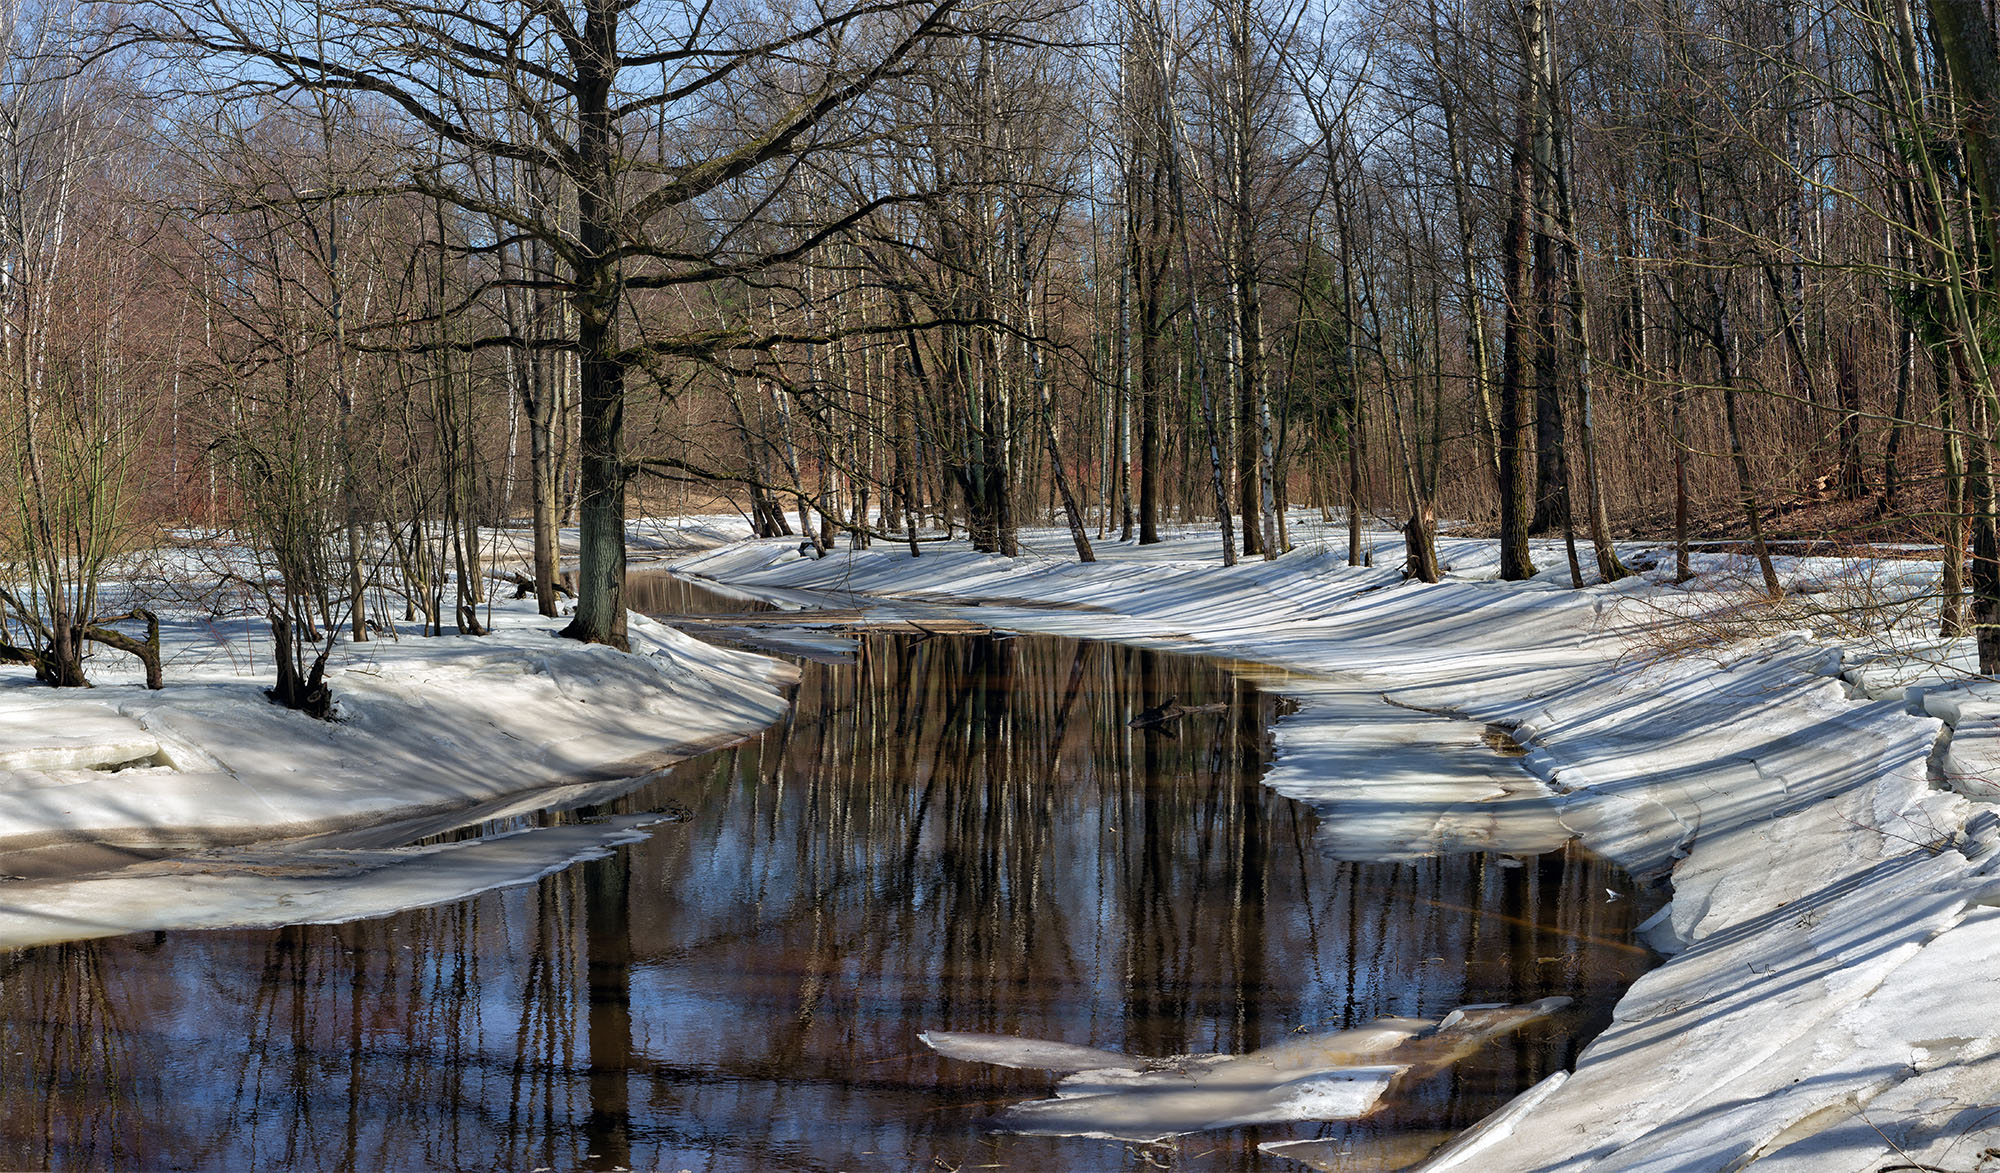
pixel 958 833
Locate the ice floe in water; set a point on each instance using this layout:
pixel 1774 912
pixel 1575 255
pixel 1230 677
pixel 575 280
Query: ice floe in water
pixel 1340 1076
pixel 264 887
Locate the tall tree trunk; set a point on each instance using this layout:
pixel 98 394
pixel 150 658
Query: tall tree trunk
pixel 1351 353
pixel 1746 493
pixel 1964 38
pixel 1984 513
pixel 1475 316
pixel 1172 145
pixel 1892 447
pixel 1420 546
pixel 543 474
pixel 1951 590
pixel 1151 453
pixel 1552 480
pixel 1517 338
pixel 602 474
pixel 1609 568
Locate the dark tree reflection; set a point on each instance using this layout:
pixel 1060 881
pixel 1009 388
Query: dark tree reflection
pixel 607 926
pixel 955 833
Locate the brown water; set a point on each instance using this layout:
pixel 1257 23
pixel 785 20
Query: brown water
pixel 948 833
pixel 667 594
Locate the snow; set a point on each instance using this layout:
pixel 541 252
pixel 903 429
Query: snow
pixel 432 734
pixel 1793 766
pixel 285 885
pixel 1159 1113
pixel 424 725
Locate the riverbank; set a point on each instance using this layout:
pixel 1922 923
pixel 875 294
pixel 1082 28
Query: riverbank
pixel 1830 1003
pixel 128 809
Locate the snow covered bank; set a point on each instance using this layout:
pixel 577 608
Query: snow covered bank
pixel 1831 1003
pixel 449 728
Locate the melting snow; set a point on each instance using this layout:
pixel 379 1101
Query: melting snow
pixel 1833 1003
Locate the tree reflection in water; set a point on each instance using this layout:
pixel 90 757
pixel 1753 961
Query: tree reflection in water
pixel 952 833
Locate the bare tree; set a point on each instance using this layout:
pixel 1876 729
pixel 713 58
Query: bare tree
pixel 72 414
pixel 643 111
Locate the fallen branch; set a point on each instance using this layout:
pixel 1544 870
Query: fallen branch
pixel 1171 710
pixel 525 586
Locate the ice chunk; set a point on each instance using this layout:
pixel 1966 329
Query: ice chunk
pixel 1338 1076
pixel 1008 1051
pixel 263 887
pixel 1170 1108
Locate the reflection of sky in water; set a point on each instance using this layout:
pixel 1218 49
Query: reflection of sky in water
pixel 949 834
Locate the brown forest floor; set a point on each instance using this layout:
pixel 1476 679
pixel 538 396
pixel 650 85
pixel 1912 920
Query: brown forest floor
pixel 1820 517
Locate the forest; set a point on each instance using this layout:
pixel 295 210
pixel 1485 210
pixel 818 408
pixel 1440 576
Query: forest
pixel 362 285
